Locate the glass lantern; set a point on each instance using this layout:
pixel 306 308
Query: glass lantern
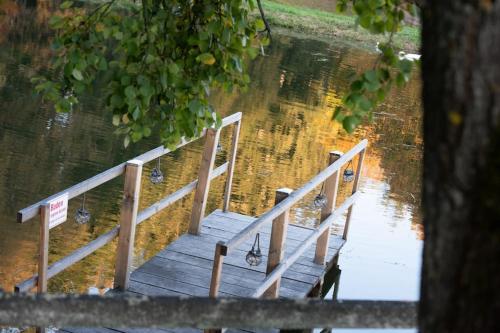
pixel 156 176
pixel 254 256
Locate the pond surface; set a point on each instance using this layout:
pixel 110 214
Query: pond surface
pixel 286 136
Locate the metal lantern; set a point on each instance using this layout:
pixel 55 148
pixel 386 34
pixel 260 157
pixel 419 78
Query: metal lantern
pixel 348 173
pixel 156 174
pixel 254 256
pixel 82 215
pixel 320 199
pixel 219 148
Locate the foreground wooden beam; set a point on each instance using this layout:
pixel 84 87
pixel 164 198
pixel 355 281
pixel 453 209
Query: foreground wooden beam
pixel 120 311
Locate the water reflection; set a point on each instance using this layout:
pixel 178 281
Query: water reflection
pixel 285 139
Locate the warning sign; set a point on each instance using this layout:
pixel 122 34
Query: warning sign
pixel 58 210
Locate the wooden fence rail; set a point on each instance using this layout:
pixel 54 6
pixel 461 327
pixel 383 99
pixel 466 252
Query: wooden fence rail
pixel 125 310
pixel 131 216
pixel 277 265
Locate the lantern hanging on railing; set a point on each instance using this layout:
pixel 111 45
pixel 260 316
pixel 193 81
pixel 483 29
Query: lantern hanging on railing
pixel 349 173
pixel 156 174
pixel 254 256
pixel 219 148
pixel 82 215
pixel 320 198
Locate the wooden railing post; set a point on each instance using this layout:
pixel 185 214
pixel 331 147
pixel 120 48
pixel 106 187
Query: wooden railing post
pixel 43 258
pixel 128 218
pixel 277 242
pixel 230 169
pixel 331 187
pixel 220 253
pixel 201 194
pixel 355 186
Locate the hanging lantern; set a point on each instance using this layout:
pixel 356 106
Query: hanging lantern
pixel 219 148
pixel 156 174
pixel 254 256
pixel 349 173
pixel 320 198
pixel 82 215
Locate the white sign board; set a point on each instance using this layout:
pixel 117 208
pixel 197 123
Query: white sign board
pixel 58 208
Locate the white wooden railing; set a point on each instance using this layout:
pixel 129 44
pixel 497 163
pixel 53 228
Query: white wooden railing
pixel 129 215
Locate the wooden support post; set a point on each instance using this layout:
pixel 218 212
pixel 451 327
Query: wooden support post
pixel 355 186
pixel 232 161
pixel 43 259
pixel 220 252
pixel 128 218
pixel 331 187
pixel 277 242
pixel 43 250
pixel 201 194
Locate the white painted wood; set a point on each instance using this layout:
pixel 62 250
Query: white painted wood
pixel 177 195
pixel 297 195
pixel 355 186
pixel 28 213
pixel 70 260
pixel 287 262
pixel 232 161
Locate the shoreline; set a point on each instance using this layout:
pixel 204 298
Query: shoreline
pixel 333 27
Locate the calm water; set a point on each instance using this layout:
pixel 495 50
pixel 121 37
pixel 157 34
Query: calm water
pixel 285 139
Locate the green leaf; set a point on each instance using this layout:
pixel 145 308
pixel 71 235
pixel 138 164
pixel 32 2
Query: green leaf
pixel 371 76
pixel 337 114
pixel 350 123
pixel 206 58
pixel 130 92
pixel 116 119
pixel 365 104
pixel 259 24
pixel 66 4
pixel 77 74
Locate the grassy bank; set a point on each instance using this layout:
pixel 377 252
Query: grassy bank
pixel 333 26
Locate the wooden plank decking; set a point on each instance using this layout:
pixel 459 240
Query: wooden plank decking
pixel 184 267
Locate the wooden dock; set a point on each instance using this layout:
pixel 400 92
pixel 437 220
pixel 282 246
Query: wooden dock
pixel 211 259
pixel 184 267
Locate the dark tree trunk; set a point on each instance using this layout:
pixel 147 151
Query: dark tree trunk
pixel 461 197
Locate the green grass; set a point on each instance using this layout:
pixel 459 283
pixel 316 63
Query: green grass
pixel 334 25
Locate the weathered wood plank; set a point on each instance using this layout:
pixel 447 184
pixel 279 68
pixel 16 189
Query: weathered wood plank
pixel 177 195
pixel 20 310
pixel 204 246
pixel 186 274
pixel 294 197
pixel 306 260
pixel 204 177
pixel 150 290
pixel 128 218
pixel 331 188
pixel 253 277
pixel 43 259
pixel 71 259
pixel 215 277
pixel 277 240
pixel 28 213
